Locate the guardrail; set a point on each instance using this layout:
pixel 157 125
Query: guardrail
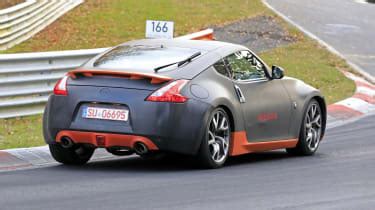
pixel 27 79
pixel 20 22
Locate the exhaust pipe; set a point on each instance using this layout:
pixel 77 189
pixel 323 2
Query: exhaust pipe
pixel 140 148
pixel 66 142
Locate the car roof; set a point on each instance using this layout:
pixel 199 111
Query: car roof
pixel 212 51
pixel 203 45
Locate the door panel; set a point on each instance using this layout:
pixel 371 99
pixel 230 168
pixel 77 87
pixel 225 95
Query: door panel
pixel 267 110
pixel 265 103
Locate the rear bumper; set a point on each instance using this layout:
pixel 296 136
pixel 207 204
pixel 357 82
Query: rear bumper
pixel 105 140
pixel 169 127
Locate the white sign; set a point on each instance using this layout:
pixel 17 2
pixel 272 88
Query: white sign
pixel 159 29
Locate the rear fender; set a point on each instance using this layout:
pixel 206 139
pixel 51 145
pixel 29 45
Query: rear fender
pixel 217 90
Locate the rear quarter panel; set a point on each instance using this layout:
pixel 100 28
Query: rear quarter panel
pixel 217 90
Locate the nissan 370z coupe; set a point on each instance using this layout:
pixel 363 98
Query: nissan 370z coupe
pixel 204 98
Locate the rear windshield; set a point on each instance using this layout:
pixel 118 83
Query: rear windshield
pixel 143 58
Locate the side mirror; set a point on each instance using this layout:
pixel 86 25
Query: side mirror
pixel 277 72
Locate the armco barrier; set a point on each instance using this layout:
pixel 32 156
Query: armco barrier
pixel 20 22
pixel 27 79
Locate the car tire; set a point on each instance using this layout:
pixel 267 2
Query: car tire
pixel 46 134
pixel 76 155
pixel 310 131
pixel 119 151
pixel 156 155
pixel 214 149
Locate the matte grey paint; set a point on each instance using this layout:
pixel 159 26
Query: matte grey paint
pixel 301 93
pixel 199 91
pixel 266 96
pixel 180 127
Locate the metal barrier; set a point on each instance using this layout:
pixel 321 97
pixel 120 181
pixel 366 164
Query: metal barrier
pixel 20 22
pixel 27 79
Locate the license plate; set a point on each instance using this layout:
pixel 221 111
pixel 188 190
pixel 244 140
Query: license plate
pixel 105 113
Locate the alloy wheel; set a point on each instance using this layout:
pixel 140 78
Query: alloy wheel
pixel 313 127
pixel 218 136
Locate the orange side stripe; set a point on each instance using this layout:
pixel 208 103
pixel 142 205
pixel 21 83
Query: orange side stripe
pixel 240 144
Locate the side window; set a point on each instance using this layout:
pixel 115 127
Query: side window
pixel 221 68
pixel 245 66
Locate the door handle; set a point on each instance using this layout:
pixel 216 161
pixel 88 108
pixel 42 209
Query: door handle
pixel 239 94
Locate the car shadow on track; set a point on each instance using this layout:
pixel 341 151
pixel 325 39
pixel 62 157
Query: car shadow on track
pixel 175 163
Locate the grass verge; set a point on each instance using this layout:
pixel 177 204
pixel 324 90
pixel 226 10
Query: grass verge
pixel 103 23
pixel 308 61
pixel 21 132
pixel 9 3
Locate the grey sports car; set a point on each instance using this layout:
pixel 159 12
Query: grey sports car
pixel 204 98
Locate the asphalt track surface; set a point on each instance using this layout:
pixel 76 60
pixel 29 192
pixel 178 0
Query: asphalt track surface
pixel 346 25
pixel 340 176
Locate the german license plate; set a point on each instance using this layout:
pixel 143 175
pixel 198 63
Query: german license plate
pixel 105 113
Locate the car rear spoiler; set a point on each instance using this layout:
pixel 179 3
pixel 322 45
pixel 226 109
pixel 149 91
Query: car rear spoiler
pixel 154 78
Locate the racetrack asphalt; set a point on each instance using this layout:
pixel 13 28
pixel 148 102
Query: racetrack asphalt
pixel 346 25
pixel 339 176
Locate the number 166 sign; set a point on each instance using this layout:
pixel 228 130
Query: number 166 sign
pixel 159 29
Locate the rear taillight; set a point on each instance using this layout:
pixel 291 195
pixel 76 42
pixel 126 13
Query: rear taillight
pixel 60 87
pixel 170 93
